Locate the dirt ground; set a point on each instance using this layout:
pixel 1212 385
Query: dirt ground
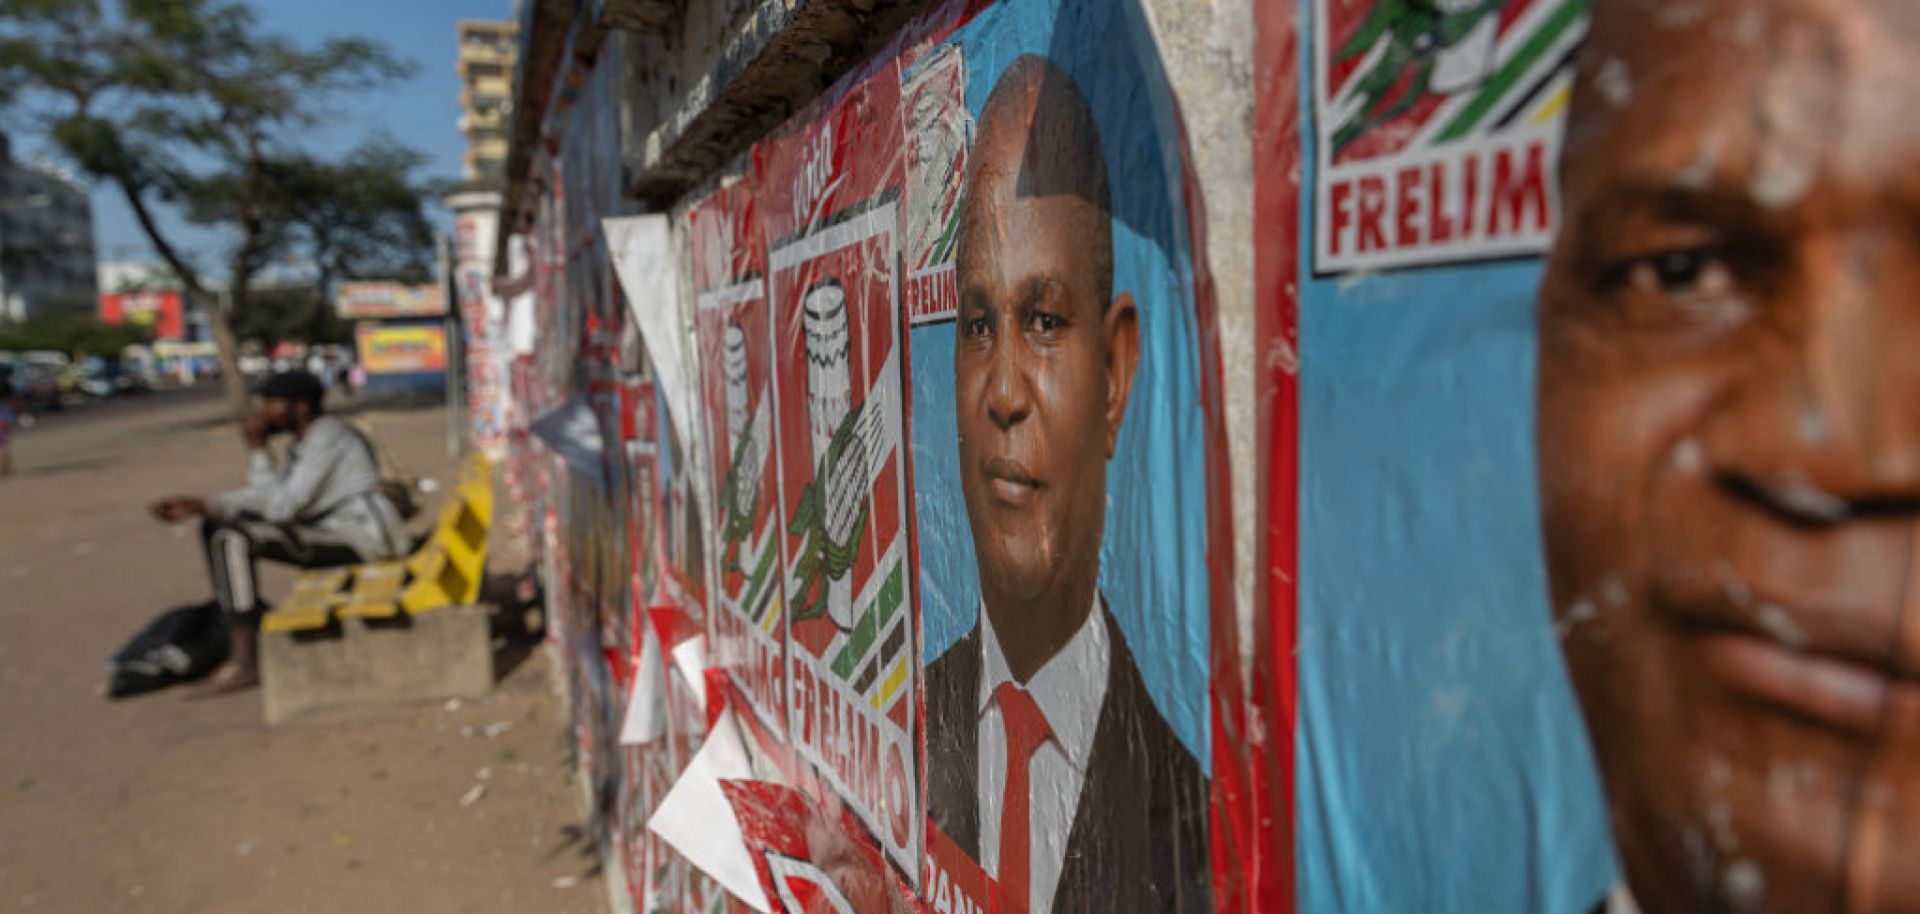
pixel 164 804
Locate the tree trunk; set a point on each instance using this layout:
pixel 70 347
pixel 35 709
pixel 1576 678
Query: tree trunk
pixel 217 318
pixel 231 379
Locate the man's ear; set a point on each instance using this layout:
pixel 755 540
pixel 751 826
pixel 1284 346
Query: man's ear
pixel 1123 356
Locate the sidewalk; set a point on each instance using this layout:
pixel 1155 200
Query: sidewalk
pixel 158 804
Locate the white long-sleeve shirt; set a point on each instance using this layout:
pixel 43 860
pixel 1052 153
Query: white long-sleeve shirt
pixel 330 482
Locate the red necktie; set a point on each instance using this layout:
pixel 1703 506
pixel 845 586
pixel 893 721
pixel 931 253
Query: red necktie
pixel 1026 730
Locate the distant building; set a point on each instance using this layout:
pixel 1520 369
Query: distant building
pixel 487 51
pixel 150 295
pixel 135 276
pixel 46 241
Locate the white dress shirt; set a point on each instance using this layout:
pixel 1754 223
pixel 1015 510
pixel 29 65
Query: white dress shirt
pixel 1070 690
pixel 1620 900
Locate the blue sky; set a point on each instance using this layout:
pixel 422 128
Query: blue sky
pixel 420 112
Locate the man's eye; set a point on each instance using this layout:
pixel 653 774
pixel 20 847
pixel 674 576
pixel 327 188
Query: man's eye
pixel 1696 271
pixel 974 327
pixel 1045 323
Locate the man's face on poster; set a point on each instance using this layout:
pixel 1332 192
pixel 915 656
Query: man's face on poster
pixel 1042 367
pixel 1729 422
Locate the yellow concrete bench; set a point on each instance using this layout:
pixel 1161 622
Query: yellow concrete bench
pixel 312 599
pixel 445 571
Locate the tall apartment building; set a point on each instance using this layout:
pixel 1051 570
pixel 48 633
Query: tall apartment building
pixel 487 52
pixel 46 241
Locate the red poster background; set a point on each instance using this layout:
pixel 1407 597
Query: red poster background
pixel 730 291
pixel 1254 780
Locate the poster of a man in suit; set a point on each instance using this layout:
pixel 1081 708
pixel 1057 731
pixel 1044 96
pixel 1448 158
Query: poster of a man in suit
pixel 1729 449
pixel 1049 762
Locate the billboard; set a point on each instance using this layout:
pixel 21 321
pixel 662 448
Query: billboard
pixel 402 349
pixel 361 300
pixel 161 311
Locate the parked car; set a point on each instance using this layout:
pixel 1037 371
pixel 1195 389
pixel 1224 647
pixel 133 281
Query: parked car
pixel 37 384
pixel 102 377
pixel 50 378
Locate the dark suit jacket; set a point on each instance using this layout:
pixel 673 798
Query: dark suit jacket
pixel 1138 842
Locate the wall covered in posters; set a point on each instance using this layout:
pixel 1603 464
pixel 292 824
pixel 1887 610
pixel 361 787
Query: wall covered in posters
pixel 932 554
pixel 938 539
pixel 905 559
pixel 483 318
pixel 857 318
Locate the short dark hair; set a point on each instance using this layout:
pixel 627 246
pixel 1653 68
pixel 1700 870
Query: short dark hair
pixel 296 386
pixel 1063 153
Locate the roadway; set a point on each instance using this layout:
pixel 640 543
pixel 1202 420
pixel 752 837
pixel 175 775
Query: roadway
pixel 163 804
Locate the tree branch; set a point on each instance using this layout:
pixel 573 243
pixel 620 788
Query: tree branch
pixel 189 276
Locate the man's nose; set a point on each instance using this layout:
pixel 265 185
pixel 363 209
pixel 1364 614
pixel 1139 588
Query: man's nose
pixel 1009 389
pixel 1837 432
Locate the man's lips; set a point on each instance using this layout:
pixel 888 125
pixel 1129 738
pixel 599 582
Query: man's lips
pixel 1820 687
pixel 1009 481
pixel 1835 666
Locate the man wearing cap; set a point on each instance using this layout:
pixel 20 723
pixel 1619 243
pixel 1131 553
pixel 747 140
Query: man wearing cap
pixel 319 507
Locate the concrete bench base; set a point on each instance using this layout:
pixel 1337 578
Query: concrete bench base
pixel 443 653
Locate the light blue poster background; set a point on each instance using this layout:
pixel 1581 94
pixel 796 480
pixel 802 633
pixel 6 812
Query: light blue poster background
pixel 1153 568
pixel 1442 762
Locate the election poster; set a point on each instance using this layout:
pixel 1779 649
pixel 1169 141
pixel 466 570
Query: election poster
pixel 828 201
pixel 735 337
pixel 1066 466
pixel 1436 129
pixel 1440 761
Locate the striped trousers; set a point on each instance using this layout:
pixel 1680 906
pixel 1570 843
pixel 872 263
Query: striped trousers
pixel 234 546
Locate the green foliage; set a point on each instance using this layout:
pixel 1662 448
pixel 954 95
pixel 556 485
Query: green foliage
pixel 71 333
pixel 190 104
pixel 283 313
pixel 361 215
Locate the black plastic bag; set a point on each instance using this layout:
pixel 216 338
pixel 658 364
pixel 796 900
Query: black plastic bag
pixel 181 645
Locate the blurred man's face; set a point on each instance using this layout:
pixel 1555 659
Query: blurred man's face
pixel 1729 421
pixel 278 412
pixel 1039 390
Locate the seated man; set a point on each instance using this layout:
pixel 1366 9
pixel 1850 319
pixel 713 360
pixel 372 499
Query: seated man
pixel 321 507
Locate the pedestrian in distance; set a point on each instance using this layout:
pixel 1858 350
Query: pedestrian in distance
pixel 11 409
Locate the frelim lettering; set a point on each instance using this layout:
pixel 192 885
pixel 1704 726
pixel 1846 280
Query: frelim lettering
pixel 1443 206
pixel 847 741
pixel 931 295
